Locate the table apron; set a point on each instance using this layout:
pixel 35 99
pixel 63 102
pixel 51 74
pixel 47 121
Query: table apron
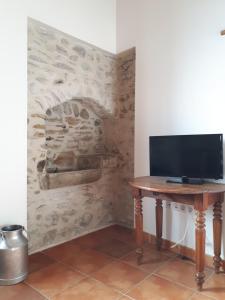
pixel 188 199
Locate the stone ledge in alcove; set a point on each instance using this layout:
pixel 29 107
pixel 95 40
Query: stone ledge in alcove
pixel 63 179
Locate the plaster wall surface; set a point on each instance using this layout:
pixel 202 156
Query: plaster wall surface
pixel 92 21
pixel 180 75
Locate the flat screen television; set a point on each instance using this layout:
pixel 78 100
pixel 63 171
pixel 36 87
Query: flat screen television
pixel 187 156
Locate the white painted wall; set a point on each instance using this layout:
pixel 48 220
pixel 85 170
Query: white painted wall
pixel 180 81
pixel 92 21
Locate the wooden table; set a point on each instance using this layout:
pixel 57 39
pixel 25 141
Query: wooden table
pixel 200 196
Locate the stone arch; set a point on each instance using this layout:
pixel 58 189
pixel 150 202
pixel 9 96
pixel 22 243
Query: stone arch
pixel 75 142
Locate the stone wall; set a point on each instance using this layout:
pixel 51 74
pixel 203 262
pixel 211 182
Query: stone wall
pixel 124 135
pixel 73 126
pixel 75 135
pixel 80 117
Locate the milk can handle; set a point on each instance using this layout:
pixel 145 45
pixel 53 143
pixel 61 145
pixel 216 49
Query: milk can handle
pixel 24 229
pixel 2 235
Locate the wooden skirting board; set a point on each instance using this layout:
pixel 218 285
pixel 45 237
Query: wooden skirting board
pixel 181 250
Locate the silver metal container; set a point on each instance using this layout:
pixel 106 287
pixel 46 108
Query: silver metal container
pixel 13 255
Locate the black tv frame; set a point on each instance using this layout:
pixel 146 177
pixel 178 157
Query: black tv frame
pixel 185 179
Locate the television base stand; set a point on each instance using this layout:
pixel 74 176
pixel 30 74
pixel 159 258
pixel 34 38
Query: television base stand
pixel 185 179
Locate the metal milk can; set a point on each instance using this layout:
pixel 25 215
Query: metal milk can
pixel 13 255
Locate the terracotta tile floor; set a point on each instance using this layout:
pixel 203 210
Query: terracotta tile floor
pixel 102 266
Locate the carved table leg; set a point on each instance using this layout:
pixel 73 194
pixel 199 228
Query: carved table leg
pixel 217 234
pixel 200 248
pixel 159 217
pixel 139 226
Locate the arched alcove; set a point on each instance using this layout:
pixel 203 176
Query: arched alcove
pixel 76 145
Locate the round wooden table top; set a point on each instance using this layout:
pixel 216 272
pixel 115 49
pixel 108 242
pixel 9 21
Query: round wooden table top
pixel 159 184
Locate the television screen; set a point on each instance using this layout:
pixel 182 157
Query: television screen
pixel 193 156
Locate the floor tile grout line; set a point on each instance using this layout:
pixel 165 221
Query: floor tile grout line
pixel 148 276
pixel 192 296
pixel 165 277
pixel 197 293
pixel 97 281
pixel 125 255
pixel 139 283
pixel 44 267
pixel 142 269
pixel 93 278
pixel 163 264
pixel 114 259
pixel 183 285
pixel 123 295
pixel 36 290
pixel 46 254
pixel 113 288
pixel 101 252
pixel 127 296
pixel 110 256
pixel 179 257
pixel 119 291
pixel 68 287
pixel 176 282
pixel 139 268
pixel 92 248
pixel 202 294
pixel 65 265
pixel 190 262
pixel 114 236
pixel 88 248
pixel 120 259
pixel 85 276
pixel 211 275
pixel 74 268
pixel 79 271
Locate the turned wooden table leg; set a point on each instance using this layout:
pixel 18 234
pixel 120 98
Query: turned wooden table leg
pixel 217 233
pixel 200 248
pixel 139 225
pixel 159 218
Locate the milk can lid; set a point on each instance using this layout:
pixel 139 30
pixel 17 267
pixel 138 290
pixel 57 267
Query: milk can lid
pixel 11 228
